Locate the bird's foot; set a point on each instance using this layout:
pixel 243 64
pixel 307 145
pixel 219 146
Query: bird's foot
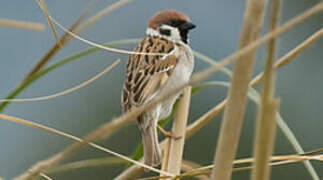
pixel 167 133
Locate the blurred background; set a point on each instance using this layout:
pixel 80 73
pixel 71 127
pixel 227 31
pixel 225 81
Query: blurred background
pixel 299 85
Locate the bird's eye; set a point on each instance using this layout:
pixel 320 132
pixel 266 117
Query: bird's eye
pixel 165 32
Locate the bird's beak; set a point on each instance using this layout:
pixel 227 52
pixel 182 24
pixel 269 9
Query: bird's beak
pixel 187 26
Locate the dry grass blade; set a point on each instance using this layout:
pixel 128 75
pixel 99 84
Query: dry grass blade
pixel 56 47
pixel 178 130
pixel 101 132
pixel 165 159
pixel 190 165
pixel 107 129
pixel 115 50
pixel 86 164
pixel 252 46
pixel 45 176
pixel 282 160
pixel 316 151
pixel 64 40
pixel 193 128
pixel 67 91
pixel 276 161
pixel 236 101
pixel 74 34
pixel 266 121
pixel 76 28
pixel 101 13
pixel 131 173
pixel 287 58
pixel 50 23
pixel 30 174
pixel 22 24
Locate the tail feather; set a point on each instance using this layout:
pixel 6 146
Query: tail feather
pixel 152 154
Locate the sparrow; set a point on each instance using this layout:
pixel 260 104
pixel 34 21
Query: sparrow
pixel 150 75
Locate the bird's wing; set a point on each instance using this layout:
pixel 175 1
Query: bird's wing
pixel 148 76
pixel 152 79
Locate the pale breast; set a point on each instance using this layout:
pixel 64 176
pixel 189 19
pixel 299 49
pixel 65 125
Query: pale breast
pixel 181 75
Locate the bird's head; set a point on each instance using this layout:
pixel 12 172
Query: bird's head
pixel 172 24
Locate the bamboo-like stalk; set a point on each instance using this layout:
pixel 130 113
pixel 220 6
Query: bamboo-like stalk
pixel 198 124
pixel 266 121
pixel 275 161
pixel 103 131
pixel 166 150
pixel 178 130
pixel 107 129
pixel 236 101
pixel 131 174
pixel 22 24
pixel 286 59
pixel 190 166
pixel 74 138
pixel 264 143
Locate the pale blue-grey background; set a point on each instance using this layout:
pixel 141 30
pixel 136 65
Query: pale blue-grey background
pixel 299 85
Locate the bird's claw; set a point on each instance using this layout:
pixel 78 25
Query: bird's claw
pixel 167 133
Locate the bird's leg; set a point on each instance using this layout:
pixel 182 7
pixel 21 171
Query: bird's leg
pixel 167 133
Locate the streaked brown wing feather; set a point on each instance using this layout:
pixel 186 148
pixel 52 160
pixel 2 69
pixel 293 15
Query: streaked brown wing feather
pixel 147 74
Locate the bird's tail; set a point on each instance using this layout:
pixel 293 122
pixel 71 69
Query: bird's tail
pixel 152 154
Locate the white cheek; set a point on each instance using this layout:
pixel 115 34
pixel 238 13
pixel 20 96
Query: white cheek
pixel 175 34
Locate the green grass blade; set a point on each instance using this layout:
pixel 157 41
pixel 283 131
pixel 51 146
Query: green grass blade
pixel 60 63
pixel 253 93
pixel 281 123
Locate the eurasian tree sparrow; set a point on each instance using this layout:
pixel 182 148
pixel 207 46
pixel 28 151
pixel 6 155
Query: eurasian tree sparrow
pixel 151 75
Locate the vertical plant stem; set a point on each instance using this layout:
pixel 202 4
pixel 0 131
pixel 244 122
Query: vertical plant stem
pixel 236 101
pixel 206 118
pixel 165 150
pixel 265 136
pixel 178 130
pixel 266 121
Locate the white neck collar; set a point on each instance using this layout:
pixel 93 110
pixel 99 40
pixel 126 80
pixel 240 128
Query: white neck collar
pixel 154 33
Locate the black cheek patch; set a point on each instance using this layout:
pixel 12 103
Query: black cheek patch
pixel 164 32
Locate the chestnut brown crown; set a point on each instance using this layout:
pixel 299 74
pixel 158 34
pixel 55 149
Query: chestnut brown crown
pixel 166 16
